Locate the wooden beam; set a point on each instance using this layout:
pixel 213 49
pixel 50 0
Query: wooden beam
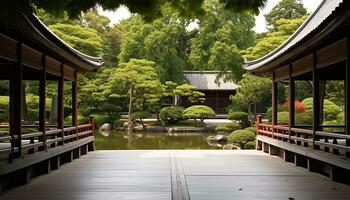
pixel 15 102
pixel 42 103
pixel 60 111
pixel 274 99
pixel 75 102
pixel 291 100
pixel 316 99
pixel 347 94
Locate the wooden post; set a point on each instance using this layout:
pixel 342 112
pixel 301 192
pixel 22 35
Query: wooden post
pixel 60 111
pixel 316 100
pixel 258 121
pixel 291 101
pixel 42 103
pixel 274 102
pixel 15 103
pixel 347 94
pixel 92 122
pixel 75 103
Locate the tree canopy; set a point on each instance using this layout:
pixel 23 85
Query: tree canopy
pixel 148 9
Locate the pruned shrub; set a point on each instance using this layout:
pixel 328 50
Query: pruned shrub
pixel 251 129
pixel 241 117
pixel 171 114
pixel 198 112
pixel 283 118
pixel 304 118
pixel 241 138
pixel 227 128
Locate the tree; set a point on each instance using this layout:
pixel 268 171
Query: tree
pixel 139 80
pixel 251 89
pixel 221 37
pixel 85 40
pixel 171 114
pixel 285 9
pixel 148 9
pixel 189 91
pixel 198 112
pixel 285 27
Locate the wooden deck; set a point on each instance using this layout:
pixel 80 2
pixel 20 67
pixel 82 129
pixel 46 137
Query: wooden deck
pixel 205 174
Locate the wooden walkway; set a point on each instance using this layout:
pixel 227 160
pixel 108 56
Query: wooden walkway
pixel 205 174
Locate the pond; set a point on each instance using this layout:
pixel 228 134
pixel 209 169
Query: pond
pixel 120 140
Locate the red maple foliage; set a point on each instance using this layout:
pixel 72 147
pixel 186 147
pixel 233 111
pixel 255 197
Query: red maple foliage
pixel 299 106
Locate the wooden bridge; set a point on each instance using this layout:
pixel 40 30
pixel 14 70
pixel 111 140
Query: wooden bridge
pixel 196 174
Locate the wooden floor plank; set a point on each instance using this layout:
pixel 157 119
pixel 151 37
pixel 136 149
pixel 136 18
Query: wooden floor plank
pixel 207 174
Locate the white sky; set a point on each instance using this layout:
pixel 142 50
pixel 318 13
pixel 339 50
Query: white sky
pixel 260 25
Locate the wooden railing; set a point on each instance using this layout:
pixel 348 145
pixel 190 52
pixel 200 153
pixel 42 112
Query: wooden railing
pixel 319 140
pixel 38 141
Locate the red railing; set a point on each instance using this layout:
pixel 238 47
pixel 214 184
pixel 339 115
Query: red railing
pixel 335 143
pixel 34 142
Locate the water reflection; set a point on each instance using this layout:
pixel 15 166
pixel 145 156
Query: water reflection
pixel 120 140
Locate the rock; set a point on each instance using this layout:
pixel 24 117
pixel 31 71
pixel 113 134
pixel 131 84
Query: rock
pixel 105 127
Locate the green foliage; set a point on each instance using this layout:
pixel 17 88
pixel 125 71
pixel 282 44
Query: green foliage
pixel 238 116
pixel 339 120
pixel 330 109
pixel 251 129
pixel 148 10
pixel 285 27
pixel 305 118
pixel 221 35
pixel 189 91
pixel 102 119
pixel 285 9
pixel 227 127
pixel 198 112
pixel 85 40
pixel 250 145
pixel 81 120
pixel 251 91
pixel 241 137
pixel 283 118
pixel 171 114
pixel 140 115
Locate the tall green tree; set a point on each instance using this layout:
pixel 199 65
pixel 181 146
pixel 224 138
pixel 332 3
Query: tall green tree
pixel 139 80
pixel 221 36
pixel 250 91
pixel 285 9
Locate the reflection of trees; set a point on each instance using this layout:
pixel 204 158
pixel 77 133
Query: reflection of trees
pixel 141 140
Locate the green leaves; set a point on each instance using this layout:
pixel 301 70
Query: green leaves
pixel 198 112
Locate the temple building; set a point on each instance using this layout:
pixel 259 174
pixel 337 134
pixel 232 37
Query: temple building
pixel 217 92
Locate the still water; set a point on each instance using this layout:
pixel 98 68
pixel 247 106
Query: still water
pixel 119 140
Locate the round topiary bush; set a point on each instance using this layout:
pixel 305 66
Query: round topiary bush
pixel 283 118
pixel 250 145
pixel 171 114
pixel 241 137
pixel 227 128
pixel 238 116
pixel 251 129
pixel 198 112
pixel 303 118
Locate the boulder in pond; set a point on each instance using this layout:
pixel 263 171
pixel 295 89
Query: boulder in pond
pixel 105 127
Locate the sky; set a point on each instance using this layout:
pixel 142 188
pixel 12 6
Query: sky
pixel 260 25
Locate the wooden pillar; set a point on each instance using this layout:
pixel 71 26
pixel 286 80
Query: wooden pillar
pixel 274 102
pixel 347 94
pixel 291 101
pixel 42 103
pixel 60 111
pixel 316 99
pixel 75 103
pixel 15 102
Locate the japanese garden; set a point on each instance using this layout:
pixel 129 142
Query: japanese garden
pixel 190 88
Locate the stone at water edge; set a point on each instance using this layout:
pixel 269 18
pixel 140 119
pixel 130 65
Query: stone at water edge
pixel 105 127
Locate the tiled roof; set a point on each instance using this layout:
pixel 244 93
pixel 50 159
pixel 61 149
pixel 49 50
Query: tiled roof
pixel 205 80
pixel 324 11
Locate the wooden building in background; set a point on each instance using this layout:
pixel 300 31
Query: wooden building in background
pixel 217 93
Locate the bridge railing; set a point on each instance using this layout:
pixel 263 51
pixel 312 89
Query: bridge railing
pixel 335 143
pixel 39 141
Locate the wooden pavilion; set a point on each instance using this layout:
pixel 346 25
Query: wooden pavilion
pixel 30 51
pixel 318 50
pixel 217 92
